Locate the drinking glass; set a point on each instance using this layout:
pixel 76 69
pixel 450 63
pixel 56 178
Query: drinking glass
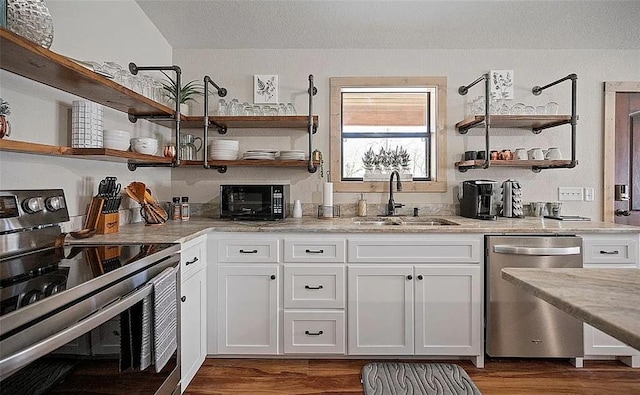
pixel 291 110
pixel 551 108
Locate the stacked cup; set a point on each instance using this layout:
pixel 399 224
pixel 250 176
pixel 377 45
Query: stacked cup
pixel 86 124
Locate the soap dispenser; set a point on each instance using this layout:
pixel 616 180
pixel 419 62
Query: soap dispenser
pixel 362 206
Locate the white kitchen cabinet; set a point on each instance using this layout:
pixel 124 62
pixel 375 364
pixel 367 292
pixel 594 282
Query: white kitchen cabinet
pixel 314 332
pixel 610 251
pixel 422 310
pixel 248 309
pixel 193 308
pixel 448 310
pixel 415 295
pixel 380 310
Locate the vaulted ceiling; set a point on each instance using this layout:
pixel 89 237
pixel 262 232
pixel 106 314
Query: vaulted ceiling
pixel 419 24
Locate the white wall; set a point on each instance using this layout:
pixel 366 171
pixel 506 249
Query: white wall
pixel 234 69
pixel 88 30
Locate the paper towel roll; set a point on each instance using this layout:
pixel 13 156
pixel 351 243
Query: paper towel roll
pixel 327 194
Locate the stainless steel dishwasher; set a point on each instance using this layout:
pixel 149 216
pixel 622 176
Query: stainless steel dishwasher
pixel 519 324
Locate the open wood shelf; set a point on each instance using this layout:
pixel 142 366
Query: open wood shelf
pixel 29 60
pixel 514 121
pixel 539 164
pixel 103 154
pixel 244 122
pixel 249 163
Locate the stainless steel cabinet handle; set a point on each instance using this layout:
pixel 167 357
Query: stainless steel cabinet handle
pixel 310 287
pixel 248 251
pixel 314 251
pixel 615 252
pixel 15 362
pixel 318 333
pixel 194 260
pixel 515 250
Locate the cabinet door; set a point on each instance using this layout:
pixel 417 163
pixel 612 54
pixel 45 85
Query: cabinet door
pixel 193 325
pixel 248 309
pixel 380 309
pixel 448 310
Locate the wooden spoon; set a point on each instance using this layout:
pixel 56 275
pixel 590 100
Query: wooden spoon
pixel 83 233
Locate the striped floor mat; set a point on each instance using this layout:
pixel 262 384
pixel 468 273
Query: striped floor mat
pixel 395 378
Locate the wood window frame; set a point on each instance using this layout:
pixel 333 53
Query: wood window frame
pixel 439 184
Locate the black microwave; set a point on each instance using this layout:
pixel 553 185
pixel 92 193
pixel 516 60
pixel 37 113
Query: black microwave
pixel 254 202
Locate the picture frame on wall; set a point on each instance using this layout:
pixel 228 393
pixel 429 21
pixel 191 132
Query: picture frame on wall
pixel 265 89
pixel 501 84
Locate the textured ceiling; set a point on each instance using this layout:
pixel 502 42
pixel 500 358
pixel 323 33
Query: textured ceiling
pixel 453 24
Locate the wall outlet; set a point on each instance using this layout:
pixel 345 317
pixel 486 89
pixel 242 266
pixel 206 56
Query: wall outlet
pixel 570 193
pixel 588 194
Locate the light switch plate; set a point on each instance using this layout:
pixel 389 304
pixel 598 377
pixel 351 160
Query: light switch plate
pixel 570 193
pixel 588 194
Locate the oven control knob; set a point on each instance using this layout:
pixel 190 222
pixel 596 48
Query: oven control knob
pixel 54 203
pixel 33 205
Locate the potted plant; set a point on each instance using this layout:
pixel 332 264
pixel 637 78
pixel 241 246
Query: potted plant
pixel 5 126
pixel 188 92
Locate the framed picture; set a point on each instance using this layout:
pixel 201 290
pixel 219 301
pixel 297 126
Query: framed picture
pixel 265 89
pixel 501 84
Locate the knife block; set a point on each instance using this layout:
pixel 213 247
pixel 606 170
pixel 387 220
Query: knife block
pixel 108 223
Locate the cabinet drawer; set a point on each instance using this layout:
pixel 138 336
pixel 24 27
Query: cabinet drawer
pixel 611 250
pixel 192 257
pixel 248 251
pixel 314 332
pixel 463 250
pixel 326 250
pixel 314 286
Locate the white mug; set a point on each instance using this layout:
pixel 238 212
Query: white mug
pixel 535 154
pixel 553 153
pixel 520 154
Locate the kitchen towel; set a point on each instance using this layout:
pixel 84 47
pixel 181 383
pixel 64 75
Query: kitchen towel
pixel 327 199
pixel 159 321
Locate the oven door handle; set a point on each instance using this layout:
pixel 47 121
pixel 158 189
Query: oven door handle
pixel 16 361
pixel 540 251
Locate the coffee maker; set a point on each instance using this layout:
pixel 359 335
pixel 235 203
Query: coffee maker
pixel 476 199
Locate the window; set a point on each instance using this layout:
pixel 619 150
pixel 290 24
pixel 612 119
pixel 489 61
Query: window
pixel 379 124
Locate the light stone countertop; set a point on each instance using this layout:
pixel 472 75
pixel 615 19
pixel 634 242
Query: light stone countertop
pixel 180 232
pixel 608 299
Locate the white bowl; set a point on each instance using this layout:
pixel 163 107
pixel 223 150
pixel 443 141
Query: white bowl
pixel 144 149
pixel 117 144
pixel 148 141
pixel 120 134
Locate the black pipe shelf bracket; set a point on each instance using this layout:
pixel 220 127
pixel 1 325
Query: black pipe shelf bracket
pixel 222 129
pixel 311 127
pixel 536 90
pixel 134 69
pixel 463 90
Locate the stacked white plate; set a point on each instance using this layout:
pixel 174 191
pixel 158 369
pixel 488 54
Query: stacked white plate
pixel 224 150
pixel 292 155
pixel 260 154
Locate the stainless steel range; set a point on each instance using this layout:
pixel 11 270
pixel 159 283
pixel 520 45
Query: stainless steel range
pixel 68 312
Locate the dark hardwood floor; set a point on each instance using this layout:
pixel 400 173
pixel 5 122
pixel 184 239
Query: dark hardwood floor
pixel 500 376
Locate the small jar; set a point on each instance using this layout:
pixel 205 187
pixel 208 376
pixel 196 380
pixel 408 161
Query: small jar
pixel 176 209
pixel 184 211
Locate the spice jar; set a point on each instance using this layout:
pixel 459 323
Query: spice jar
pixel 184 212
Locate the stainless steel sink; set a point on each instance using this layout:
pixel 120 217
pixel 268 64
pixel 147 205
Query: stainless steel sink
pixel 403 221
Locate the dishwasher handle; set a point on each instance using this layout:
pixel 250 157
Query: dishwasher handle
pixel 539 251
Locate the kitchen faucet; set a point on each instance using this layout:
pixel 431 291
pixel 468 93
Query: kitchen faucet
pixel 392 205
